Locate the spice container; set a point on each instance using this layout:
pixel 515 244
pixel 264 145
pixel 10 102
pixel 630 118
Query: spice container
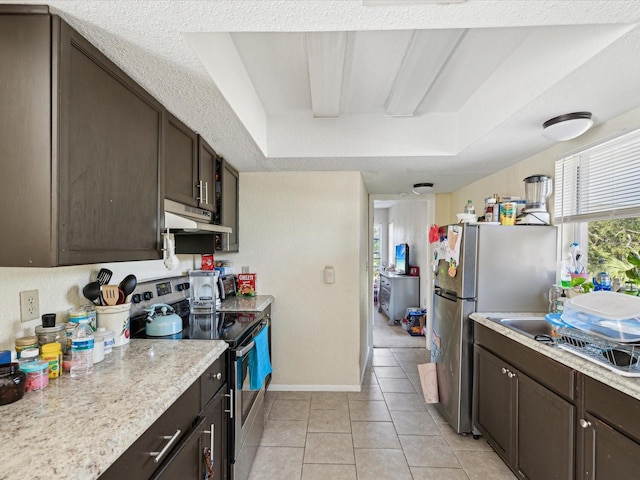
pixel 26 343
pixel 37 375
pixel 52 353
pixel 52 334
pixel 12 383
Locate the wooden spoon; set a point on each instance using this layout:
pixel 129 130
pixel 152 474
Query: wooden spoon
pixel 110 294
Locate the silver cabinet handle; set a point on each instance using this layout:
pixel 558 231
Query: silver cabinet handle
pixel 206 193
pixel 212 432
pixel 158 455
pixel 504 370
pixel 242 352
pixel 511 374
pixel 218 376
pixel 199 187
pixel 230 395
pixel 584 423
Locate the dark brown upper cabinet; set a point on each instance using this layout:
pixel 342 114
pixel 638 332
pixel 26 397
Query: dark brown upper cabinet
pixel 81 149
pixel 229 207
pixel 206 182
pixel 181 162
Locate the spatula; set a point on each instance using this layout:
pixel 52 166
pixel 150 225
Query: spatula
pixel 110 294
pixel 104 276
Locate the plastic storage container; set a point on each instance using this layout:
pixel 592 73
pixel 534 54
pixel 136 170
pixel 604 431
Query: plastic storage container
pixel 52 334
pixel 611 315
pixel 37 375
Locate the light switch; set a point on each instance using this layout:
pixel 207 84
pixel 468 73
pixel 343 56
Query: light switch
pixel 329 275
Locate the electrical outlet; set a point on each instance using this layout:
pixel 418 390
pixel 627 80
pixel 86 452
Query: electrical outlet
pixel 29 305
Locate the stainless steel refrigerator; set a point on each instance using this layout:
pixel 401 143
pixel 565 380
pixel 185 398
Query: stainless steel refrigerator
pixel 499 269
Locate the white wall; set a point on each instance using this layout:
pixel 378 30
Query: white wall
pixel 291 226
pixel 60 289
pixel 381 217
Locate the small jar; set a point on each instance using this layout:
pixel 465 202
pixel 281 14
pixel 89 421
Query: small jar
pixel 52 353
pixel 109 339
pixel 12 383
pixel 37 375
pixel 28 356
pixel 26 343
pixel 52 334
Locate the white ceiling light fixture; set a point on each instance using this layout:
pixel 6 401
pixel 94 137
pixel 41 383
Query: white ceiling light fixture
pixel 325 57
pixel 568 126
pixel 422 188
pixel 428 52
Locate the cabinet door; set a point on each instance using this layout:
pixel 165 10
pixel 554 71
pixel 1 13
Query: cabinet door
pixel 110 160
pixel 214 438
pixel 229 205
pixel 26 192
pixel 184 459
pixel 545 432
pixel 493 406
pixel 181 162
pixel 207 170
pixel 608 454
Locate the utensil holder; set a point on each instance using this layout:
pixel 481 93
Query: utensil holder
pixel 116 319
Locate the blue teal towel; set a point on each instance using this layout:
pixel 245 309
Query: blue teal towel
pixel 259 361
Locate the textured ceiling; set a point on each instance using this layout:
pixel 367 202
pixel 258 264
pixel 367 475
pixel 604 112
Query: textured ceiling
pixel 257 78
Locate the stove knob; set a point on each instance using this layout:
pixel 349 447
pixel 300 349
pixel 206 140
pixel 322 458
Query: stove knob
pixel 180 287
pixel 136 298
pixel 147 295
pixel 186 285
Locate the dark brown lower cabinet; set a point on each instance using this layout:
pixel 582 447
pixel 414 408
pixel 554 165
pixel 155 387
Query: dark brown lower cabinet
pixel 547 421
pixel 529 426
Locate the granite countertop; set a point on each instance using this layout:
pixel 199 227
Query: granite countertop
pixel 630 386
pixel 76 428
pixel 245 304
pixel 397 275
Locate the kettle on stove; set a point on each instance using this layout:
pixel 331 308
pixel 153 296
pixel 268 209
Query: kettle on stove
pixel 162 322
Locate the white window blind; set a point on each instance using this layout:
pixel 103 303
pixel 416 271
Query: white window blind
pixel 599 183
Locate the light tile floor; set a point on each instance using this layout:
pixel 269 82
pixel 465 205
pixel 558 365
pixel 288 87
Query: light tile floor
pixel 384 432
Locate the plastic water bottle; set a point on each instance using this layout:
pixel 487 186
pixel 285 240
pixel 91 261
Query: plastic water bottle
pixel 469 208
pixel 82 350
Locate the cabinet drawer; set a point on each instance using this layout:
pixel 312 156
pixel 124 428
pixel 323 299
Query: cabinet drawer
pixel 137 462
pixel 553 375
pixel 616 408
pixel 212 379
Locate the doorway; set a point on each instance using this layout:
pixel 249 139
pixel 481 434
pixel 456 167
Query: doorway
pixel 396 219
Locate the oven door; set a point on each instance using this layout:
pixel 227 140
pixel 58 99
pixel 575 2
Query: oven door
pixel 248 410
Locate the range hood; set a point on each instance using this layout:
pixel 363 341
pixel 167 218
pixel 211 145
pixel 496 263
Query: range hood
pixel 186 219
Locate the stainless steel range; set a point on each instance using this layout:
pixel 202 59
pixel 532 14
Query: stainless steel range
pixel 238 329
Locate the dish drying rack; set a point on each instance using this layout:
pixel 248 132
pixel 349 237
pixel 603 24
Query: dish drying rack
pixel 621 358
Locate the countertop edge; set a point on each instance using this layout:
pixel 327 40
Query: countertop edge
pixel 245 304
pixel 629 386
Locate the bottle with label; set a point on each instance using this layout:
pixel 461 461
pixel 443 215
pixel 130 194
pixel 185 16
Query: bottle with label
pixel 469 208
pixel 82 350
pixel 565 274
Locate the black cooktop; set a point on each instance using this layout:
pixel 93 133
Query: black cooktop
pixel 230 327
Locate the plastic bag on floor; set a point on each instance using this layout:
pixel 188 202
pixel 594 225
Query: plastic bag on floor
pixel 429 382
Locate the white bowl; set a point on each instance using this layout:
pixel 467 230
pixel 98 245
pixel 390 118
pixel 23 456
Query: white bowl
pixel 467 218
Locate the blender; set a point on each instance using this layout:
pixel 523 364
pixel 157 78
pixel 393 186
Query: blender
pixel 537 189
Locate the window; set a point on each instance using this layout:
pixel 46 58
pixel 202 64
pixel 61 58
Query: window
pixel 598 194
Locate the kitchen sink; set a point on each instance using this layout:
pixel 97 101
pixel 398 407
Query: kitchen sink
pixel 530 326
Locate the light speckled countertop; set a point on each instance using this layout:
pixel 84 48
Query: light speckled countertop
pixel 630 386
pixel 245 304
pixel 76 428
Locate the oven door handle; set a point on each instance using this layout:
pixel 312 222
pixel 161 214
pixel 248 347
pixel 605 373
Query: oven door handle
pixel 243 351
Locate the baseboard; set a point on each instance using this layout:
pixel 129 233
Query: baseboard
pixel 313 388
pixel 366 363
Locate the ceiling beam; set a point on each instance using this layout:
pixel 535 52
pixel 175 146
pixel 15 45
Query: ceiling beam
pixel 427 54
pixel 325 57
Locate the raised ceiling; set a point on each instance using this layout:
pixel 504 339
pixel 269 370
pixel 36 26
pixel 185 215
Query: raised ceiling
pixel 404 91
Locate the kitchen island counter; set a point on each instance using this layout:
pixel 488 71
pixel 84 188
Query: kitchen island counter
pixel 627 385
pixel 76 428
pixel 245 304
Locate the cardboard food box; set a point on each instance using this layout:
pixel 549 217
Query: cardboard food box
pixel 247 284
